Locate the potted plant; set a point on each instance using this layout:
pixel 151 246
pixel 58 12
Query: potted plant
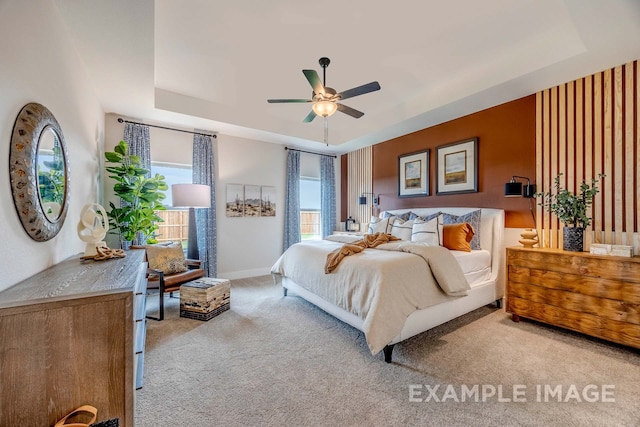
pixel 571 209
pixel 136 219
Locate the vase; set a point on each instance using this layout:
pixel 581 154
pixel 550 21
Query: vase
pixel 125 245
pixel 529 238
pixel 572 239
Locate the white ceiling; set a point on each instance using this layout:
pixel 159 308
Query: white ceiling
pixel 213 64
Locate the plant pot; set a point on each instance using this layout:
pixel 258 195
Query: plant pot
pixel 125 245
pixel 572 239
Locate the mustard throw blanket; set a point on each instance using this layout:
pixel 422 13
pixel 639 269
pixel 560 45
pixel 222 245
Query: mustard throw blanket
pixel 368 241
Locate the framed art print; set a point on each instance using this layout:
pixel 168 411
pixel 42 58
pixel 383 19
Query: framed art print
pixel 235 200
pixel 252 200
pixel 267 200
pixel 457 167
pixel 413 174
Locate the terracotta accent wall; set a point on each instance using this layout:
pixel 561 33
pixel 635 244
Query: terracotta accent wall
pixel 506 146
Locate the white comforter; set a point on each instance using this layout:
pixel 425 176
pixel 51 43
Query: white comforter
pixel 382 286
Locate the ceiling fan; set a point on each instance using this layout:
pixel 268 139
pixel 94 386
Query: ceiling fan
pixel 325 99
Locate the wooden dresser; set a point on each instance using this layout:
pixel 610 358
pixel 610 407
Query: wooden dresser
pixel 593 294
pixel 73 335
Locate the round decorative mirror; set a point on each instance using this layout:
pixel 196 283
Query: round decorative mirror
pixel 39 172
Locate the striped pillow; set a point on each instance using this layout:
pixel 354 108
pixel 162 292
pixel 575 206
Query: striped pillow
pixel 402 229
pixel 379 225
pixel 425 231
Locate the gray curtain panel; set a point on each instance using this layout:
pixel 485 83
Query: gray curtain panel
pixel 292 200
pixel 204 173
pixel 327 195
pixel 137 136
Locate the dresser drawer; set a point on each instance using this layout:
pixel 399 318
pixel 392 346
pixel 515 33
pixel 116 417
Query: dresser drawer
pixel 595 295
pixel 140 330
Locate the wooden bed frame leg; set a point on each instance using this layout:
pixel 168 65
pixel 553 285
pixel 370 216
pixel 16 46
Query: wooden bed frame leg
pixel 515 317
pixel 387 350
pixel 499 303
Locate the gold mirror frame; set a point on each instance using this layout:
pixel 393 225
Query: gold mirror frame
pixel 32 121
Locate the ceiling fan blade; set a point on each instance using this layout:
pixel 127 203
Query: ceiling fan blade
pixel 360 90
pixel 277 101
pixel 314 81
pixel 350 111
pixel 309 117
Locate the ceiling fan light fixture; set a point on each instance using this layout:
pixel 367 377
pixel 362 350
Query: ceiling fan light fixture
pixel 324 108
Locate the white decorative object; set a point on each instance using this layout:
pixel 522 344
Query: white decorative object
pixel 92 227
pixel 622 250
pixel 613 250
pixel 600 249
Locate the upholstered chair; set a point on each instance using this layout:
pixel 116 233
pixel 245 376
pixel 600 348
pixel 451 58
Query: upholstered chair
pixel 168 269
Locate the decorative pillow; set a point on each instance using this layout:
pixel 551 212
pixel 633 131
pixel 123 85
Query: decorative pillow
pixel 426 217
pixel 405 216
pixel 425 231
pixel 378 225
pixel 472 218
pixel 168 259
pixel 402 229
pixel 457 236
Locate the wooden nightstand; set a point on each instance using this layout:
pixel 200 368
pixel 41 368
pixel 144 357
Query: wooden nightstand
pixel 594 294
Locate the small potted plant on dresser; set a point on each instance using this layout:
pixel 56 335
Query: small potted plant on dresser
pixel 571 210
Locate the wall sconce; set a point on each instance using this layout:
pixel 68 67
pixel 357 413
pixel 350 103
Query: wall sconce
pixel 515 189
pixel 362 200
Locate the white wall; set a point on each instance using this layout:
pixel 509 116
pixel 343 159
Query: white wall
pixel 249 246
pixel 39 64
pixel 246 246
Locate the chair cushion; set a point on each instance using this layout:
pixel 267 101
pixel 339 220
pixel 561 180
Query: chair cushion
pixel 168 259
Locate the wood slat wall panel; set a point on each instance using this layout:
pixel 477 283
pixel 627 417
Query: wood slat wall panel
pixel 629 152
pixel 584 128
pixel 588 142
pixel 539 157
pixel 360 181
pixel 554 159
pixel 618 194
pixel 597 155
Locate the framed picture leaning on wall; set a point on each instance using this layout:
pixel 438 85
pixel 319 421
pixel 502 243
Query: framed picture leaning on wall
pixel 413 174
pixel 457 167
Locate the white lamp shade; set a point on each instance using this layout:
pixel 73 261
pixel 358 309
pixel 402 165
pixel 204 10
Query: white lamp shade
pixel 191 196
pixel 324 108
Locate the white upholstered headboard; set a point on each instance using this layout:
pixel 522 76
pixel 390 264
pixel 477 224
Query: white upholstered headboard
pixel 491 235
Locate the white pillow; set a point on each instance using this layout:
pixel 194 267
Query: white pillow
pixel 378 225
pixel 425 231
pixel 402 229
pixel 391 219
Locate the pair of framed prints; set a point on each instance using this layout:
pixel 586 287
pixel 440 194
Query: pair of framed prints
pixel 456 170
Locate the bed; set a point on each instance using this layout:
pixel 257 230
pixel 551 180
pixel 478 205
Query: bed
pixel 397 290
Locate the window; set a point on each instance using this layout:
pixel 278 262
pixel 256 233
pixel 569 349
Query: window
pixel 310 222
pixel 175 227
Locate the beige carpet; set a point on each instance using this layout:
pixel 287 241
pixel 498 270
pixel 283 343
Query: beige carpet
pixel 279 361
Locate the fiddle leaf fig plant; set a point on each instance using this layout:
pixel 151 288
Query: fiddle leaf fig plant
pixel 571 208
pixel 143 196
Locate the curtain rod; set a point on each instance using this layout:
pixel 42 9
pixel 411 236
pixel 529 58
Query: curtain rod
pixel 121 120
pixel 311 152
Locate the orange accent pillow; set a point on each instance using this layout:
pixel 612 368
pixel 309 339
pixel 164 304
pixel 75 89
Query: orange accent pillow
pixel 457 236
